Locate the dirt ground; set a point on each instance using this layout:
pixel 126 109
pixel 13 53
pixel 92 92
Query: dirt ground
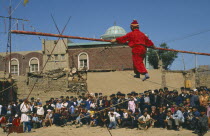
pixel 98 131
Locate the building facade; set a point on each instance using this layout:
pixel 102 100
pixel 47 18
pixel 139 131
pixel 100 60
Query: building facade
pixel 91 56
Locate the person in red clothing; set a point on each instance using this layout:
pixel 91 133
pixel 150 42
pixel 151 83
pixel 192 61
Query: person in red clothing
pixel 16 121
pixel 138 41
pixel 3 122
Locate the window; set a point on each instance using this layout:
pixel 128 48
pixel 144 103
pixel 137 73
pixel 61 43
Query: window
pixel 83 62
pixel 34 65
pixel 62 56
pixel 14 70
pixel 34 68
pixel 56 57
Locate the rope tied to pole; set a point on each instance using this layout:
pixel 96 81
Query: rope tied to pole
pixel 94 39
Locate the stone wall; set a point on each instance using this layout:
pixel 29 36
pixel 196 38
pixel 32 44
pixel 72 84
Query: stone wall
pixel 43 89
pixel 203 76
pixel 111 82
pixel 105 82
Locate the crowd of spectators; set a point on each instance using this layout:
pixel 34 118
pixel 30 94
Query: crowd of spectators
pixel 165 109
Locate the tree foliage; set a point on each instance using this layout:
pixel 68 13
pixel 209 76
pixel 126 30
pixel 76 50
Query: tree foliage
pixel 167 57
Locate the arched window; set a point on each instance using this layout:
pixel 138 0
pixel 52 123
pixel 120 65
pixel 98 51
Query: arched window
pixel 83 61
pixel 34 64
pixel 14 70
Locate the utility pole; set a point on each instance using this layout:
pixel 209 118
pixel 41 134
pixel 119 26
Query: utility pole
pixel 9 40
pixel 196 62
pixel 10 36
pixel 183 62
pixel 196 72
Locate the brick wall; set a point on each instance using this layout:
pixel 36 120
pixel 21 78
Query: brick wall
pixel 115 58
pixel 23 61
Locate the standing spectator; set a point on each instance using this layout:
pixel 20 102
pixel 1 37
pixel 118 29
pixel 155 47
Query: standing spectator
pixel 131 105
pixel 25 118
pixel 58 105
pixel 162 97
pixel 40 111
pixel 38 101
pixel 194 100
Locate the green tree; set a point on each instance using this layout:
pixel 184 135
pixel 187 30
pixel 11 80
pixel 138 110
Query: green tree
pixel 167 57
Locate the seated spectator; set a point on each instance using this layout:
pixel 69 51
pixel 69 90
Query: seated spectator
pixel 208 112
pixel 39 125
pixel 194 121
pixel 178 118
pixel 35 121
pixel 161 117
pixel 3 122
pixel 154 116
pixel 93 120
pixel 64 118
pixel 57 118
pixel 103 118
pixel 117 115
pixel 144 121
pixel 169 120
pixel 135 118
pixel 127 122
pixel 188 118
pixel 16 121
pixel 48 118
pixel 202 125
pixel 112 121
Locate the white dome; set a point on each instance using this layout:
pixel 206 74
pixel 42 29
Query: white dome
pixel 113 32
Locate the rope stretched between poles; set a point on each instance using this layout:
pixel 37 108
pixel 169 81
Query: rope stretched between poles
pixel 94 39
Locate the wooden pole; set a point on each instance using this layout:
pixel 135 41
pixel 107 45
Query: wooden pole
pixel 94 39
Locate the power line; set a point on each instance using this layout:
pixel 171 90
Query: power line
pixel 187 36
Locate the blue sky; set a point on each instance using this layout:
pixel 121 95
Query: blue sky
pixel 162 20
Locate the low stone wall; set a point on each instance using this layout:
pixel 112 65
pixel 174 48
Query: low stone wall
pixel 104 82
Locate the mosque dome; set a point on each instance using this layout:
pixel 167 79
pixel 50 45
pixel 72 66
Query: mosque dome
pixel 113 32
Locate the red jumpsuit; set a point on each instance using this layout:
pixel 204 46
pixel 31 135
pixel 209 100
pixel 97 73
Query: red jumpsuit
pixel 135 38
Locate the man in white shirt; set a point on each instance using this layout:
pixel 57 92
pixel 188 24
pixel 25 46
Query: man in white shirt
pixel 145 121
pixel 25 110
pixel 112 119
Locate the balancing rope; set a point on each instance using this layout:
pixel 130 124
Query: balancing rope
pixel 94 39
